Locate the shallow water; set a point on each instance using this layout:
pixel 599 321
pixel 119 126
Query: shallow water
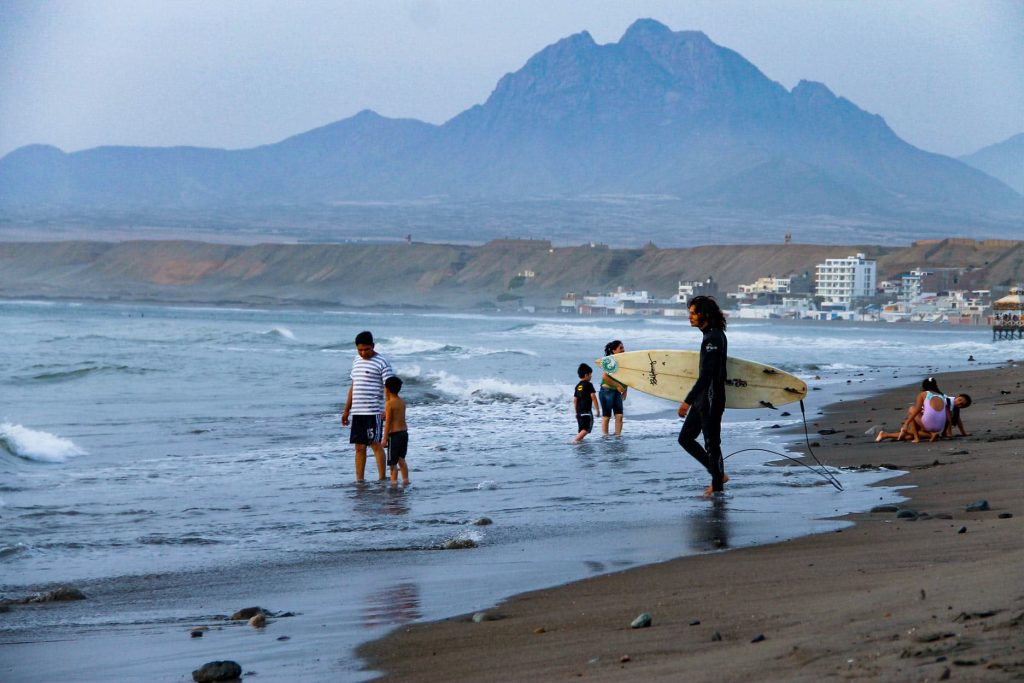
pixel 137 440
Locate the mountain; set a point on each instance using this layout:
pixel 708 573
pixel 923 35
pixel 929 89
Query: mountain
pixel 659 113
pixel 1003 161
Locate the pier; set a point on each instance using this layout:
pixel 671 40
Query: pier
pixel 1007 319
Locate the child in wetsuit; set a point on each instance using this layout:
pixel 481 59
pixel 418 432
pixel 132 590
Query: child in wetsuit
pixel 583 399
pixel 396 434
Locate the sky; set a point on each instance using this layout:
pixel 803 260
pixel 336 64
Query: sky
pixel 947 75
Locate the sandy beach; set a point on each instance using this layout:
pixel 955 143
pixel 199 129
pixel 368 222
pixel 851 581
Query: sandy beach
pixel 936 597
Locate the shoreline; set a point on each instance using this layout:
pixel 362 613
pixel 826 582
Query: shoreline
pixel 888 598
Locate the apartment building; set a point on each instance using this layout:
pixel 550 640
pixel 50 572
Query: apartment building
pixel 841 281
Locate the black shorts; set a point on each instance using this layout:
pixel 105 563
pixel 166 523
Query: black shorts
pixel 398 446
pixel 585 423
pixel 366 429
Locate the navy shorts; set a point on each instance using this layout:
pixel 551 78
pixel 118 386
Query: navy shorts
pixel 585 422
pixel 611 401
pixel 398 446
pixel 366 429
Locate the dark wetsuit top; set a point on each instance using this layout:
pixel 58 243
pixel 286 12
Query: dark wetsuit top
pixel 708 393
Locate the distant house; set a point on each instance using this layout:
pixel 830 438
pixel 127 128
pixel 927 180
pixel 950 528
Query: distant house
pixel 691 288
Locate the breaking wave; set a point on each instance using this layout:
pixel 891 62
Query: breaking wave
pixel 35 445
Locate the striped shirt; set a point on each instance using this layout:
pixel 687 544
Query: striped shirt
pixel 368 384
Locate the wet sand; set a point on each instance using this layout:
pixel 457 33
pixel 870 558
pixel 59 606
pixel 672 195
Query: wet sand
pixel 886 599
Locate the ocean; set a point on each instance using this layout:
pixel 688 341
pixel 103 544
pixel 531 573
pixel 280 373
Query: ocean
pixel 179 463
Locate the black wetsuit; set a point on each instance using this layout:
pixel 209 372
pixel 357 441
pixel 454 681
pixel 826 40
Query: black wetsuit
pixel 707 403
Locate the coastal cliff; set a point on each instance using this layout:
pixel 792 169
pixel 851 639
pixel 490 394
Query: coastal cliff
pixel 438 275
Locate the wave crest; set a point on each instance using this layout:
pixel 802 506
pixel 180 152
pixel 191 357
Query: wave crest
pixel 30 444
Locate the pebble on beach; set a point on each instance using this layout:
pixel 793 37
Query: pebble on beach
pixel 642 621
pixel 977 506
pixel 483 521
pixel 247 613
pixel 258 620
pixel 217 671
pixel 459 544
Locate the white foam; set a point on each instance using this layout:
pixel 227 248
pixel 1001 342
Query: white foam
pixel 281 332
pixel 490 388
pixel 34 445
pixel 403 346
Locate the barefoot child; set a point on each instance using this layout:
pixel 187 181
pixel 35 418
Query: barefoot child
pixel 583 399
pixel 396 435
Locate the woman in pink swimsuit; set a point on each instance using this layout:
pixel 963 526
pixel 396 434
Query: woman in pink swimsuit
pixel 928 415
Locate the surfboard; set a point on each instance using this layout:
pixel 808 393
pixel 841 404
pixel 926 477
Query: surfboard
pixel 670 374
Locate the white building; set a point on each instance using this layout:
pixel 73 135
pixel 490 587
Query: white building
pixel 766 285
pixel 910 285
pixel 840 281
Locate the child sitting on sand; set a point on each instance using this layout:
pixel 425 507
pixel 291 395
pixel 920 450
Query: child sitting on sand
pixel 396 434
pixel 584 397
pixel 955 405
pixel 928 416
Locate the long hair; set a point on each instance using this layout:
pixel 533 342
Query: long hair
pixel 929 384
pixel 708 307
pixel 610 347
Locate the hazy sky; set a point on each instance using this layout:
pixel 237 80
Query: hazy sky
pixel 947 75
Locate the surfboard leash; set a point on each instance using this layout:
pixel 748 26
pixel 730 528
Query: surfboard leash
pixel 821 470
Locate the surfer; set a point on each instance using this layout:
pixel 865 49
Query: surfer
pixel 613 393
pixel 365 402
pixel 702 408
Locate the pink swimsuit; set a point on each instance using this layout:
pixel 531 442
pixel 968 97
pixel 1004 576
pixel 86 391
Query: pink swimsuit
pixel 931 419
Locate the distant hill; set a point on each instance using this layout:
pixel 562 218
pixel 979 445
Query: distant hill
pixel 662 114
pixel 1003 160
pixel 482 277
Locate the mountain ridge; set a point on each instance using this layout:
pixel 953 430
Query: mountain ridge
pixel 439 275
pixel 658 112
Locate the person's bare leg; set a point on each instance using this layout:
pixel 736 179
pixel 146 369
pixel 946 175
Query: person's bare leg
pixel 360 461
pixel 405 471
pixel 915 431
pixel 378 454
pixel 579 437
pixel 604 424
pixel 618 424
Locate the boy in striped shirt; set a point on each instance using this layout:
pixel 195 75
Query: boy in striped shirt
pixel 365 403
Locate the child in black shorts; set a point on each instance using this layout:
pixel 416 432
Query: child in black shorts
pixel 396 434
pixel 584 398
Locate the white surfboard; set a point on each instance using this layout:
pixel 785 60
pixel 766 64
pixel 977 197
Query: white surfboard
pixel 670 374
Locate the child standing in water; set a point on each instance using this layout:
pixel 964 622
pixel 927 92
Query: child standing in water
pixel 396 434
pixel 583 399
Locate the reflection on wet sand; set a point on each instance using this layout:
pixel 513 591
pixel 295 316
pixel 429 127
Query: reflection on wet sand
pixel 709 528
pixel 392 606
pixel 377 498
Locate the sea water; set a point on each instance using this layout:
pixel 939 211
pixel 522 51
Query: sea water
pixel 148 447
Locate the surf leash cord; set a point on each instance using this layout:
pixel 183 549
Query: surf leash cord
pixel 821 470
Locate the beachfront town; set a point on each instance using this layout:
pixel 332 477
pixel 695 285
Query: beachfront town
pixel 838 289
